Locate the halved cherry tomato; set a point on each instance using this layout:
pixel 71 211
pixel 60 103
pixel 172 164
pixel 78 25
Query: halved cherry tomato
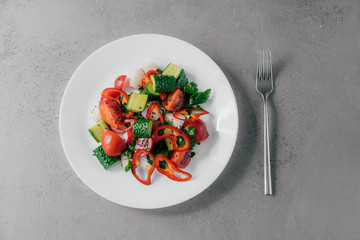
pixel 174 101
pixel 181 159
pixel 189 114
pixel 171 169
pixel 201 132
pixel 143 143
pixel 147 79
pixel 120 82
pixel 112 143
pixel 113 93
pixel 149 169
pixel 110 111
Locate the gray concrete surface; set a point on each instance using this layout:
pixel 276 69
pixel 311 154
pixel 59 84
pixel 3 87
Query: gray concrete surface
pixel 315 125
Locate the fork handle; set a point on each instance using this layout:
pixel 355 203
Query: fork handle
pixel 267 165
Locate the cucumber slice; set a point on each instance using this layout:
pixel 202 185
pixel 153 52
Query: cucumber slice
pixel 105 160
pixel 168 142
pixel 136 102
pixel 172 70
pixel 162 83
pixel 152 95
pixel 142 128
pixel 97 130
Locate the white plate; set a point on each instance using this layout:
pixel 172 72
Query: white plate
pixel 99 71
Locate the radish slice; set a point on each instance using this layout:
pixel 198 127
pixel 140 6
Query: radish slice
pixel 176 122
pixel 135 78
pixel 150 66
pixel 95 114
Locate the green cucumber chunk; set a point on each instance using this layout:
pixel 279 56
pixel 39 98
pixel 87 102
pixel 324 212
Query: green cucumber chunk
pixel 152 95
pixel 105 160
pixel 142 128
pixel 97 130
pixel 162 83
pixel 169 144
pixel 172 70
pixel 137 102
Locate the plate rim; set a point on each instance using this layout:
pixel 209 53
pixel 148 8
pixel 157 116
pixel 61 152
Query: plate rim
pixel 209 183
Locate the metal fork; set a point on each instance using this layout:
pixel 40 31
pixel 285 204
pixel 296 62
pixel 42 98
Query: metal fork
pixel 264 86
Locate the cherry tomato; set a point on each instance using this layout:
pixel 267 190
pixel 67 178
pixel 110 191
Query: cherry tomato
pixel 201 132
pixel 181 159
pixel 120 82
pixel 110 111
pixel 174 101
pixel 112 143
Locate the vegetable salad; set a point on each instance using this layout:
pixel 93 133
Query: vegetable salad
pixel 150 115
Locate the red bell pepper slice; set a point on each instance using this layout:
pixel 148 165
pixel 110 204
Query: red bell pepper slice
pixel 157 108
pixel 147 78
pixel 122 124
pixel 121 128
pixel 170 169
pixel 193 115
pixel 173 137
pixel 113 93
pixel 149 169
pixel 127 114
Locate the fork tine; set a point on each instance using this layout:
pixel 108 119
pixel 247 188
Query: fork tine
pixel 258 67
pixel 266 65
pixel 271 75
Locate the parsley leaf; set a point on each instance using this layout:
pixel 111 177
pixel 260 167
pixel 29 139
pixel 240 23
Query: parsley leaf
pixel 199 97
pixel 190 88
pixel 128 166
pixel 190 131
pixel 182 81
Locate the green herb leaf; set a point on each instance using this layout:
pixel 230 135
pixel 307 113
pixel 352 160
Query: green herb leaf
pixel 162 164
pixel 182 81
pixel 190 88
pixel 128 166
pixel 168 123
pixel 131 146
pixel 149 160
pixel 199 97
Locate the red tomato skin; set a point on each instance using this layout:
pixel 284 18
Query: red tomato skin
pixel 174 101
pixel 201 132
pixel 110 111
pixel 181 159
pixel 120 82
pixel 112 144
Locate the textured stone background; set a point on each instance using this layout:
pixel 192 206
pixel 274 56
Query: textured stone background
pixel 315 119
